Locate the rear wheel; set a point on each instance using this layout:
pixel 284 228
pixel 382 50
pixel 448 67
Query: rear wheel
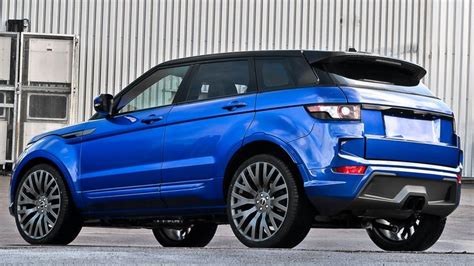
pixel 196 235
pixel 266 207
pixel 414 234
pixel 44 212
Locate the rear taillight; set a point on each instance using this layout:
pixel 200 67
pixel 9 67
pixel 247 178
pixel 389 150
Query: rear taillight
pixel 351 169
pixel 337 112
pixel 459 177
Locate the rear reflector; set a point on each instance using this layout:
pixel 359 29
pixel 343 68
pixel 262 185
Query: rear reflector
pixel 351 169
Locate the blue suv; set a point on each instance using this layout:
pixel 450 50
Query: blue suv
pixel 273 143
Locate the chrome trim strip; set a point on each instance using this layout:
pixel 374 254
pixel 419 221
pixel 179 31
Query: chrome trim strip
pixel 450 179
pixel 79 133
pixel 375 137
pixel 401 164
pixel 417 111
pixel 413 170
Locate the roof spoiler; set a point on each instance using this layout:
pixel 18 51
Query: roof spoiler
pixel 328 57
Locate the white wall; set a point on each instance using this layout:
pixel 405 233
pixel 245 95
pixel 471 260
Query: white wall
pixel 121 39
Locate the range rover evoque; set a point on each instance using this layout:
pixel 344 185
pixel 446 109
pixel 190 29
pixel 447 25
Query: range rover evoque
pixel 273 143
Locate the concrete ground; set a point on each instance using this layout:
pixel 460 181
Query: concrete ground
pixel 321 246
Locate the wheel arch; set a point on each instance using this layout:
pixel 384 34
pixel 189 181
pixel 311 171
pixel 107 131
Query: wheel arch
pixel 261 146
pixel 30 162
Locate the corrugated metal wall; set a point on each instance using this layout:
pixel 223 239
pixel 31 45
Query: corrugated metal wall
pixel 121 39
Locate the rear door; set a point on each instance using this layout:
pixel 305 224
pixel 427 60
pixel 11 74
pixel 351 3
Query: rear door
pixel 204 131
pixel 121 156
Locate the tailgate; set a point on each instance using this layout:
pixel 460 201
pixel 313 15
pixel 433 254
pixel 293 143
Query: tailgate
pixel 402 119
pixel 398 150
pixel 400 134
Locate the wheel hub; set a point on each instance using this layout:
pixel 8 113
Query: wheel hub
pixel 263 202
pixel 42 204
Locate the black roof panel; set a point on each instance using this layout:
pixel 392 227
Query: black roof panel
pixel 218 56
pixel 311 55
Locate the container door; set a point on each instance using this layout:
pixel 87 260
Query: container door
pixel 8 62
pixel 46 84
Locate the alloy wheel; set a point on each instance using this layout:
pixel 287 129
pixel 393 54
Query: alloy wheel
pixel 259 201
pixel 396 230
pixel 38 204
pixel 177 234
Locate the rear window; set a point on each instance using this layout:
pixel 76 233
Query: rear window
pixel 375 72
pixel 284 72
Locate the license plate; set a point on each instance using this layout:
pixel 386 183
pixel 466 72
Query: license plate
pixel 412 129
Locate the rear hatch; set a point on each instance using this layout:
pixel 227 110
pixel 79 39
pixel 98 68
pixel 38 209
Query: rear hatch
pixel 403 120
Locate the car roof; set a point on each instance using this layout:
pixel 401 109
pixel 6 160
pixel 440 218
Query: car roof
pixel 312 56
pixel 218 56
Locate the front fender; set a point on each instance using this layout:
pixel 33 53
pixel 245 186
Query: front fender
pixel 64 154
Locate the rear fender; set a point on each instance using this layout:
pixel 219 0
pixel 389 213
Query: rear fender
pixel 289 149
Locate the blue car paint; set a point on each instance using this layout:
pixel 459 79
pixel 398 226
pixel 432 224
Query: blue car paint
pixel 111 175
pixel 64 154
pixel 199 139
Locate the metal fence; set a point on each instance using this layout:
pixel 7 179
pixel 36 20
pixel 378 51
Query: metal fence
pixel 119 40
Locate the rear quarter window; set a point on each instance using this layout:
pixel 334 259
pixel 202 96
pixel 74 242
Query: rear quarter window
pixel 283 73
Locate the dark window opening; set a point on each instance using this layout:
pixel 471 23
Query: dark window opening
pixel 284 72
pixel 220 79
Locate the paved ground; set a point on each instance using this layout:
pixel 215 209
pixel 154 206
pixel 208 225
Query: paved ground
pixel 322 246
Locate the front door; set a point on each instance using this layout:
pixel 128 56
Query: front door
pixel 122 155
pixel 203 131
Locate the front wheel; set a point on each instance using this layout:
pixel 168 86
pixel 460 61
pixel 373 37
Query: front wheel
pixel 44 212
pixel 413 234
pixel 265 206
pixel 196 235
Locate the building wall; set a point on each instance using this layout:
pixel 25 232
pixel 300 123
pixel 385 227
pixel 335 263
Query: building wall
pixel 119 40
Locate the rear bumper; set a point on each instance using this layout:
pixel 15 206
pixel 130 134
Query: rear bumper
pixel 387 189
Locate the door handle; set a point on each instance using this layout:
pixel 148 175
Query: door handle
pixel 151 119
pixel 234 105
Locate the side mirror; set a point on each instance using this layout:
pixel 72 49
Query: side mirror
pixel 103 104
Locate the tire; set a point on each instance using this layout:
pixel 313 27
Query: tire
pixel 414 234
pixel 197 235
pixel 268 210
pixel 43 208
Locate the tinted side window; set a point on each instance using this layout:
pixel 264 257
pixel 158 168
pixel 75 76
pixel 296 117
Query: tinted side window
pixel 284 72
pixel 213 80
pixel 156 90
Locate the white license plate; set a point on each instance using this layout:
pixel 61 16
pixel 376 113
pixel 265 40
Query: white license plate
pixel 412 129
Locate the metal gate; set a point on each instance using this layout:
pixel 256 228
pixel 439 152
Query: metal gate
pixel 37 89
pixel 9 50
